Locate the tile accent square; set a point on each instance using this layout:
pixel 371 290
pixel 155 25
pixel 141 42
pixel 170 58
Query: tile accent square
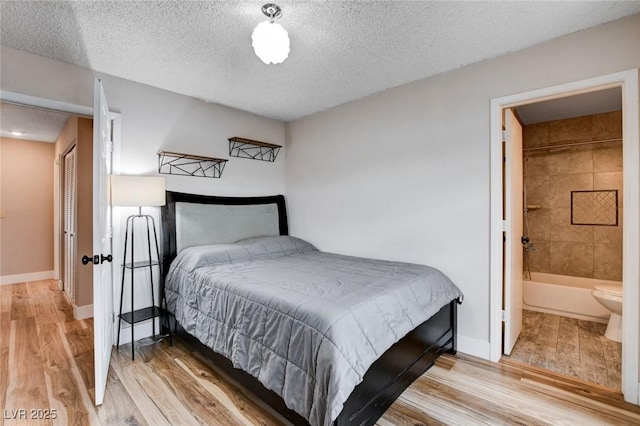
pixel 594 207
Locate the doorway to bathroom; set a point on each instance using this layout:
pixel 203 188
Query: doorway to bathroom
pixel 561 169
pixel 569 173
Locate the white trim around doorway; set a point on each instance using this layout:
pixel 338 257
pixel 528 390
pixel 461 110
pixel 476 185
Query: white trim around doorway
pixel 33 101
pixel 628 81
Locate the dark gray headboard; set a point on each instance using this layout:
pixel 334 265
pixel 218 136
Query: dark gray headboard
pixel 190 219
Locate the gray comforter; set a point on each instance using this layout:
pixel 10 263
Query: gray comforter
pixel 305 323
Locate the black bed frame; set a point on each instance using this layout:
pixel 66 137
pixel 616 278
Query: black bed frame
pixel 385 380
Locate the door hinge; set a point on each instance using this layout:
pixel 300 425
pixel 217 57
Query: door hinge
pixel 504 226
pixel 504 136
pixel 110 146
pixel 503 315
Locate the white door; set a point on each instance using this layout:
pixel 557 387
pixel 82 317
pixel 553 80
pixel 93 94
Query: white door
pixel 102 241
pixel 70 242
pixel 513 262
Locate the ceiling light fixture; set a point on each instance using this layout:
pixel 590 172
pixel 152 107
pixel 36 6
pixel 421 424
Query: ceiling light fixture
pixel 16 133
pixel 270 40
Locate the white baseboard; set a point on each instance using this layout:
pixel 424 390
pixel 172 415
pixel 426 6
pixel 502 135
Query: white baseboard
pixel 82 312
pixel 475 347
pixel 23 278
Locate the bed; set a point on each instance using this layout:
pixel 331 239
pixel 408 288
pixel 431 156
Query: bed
pixel 323 339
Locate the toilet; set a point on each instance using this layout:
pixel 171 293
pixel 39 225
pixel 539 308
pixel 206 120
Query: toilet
pixel 610 296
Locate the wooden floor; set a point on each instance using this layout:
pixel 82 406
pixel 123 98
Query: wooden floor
pixel 46 363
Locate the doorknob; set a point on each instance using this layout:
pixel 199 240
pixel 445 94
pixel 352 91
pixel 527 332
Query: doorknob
pixel 96 260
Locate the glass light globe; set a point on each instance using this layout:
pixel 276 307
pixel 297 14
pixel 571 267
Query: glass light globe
pixel 270 42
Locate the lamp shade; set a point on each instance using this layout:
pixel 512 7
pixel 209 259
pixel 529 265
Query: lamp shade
pixel 137 191
pixel 270 42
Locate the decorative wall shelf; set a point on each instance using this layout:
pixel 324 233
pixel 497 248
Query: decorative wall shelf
pixel 174 163
pixel 256 150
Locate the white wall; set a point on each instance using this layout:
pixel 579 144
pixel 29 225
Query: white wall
pixel 154 119
pixel 405 174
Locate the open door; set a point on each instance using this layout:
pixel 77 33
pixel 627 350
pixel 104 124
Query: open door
pixel 102 241
pixel 514 208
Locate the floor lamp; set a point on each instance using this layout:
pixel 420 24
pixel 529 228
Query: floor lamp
pixel 139 191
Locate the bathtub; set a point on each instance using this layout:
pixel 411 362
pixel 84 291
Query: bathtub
pixel 564 295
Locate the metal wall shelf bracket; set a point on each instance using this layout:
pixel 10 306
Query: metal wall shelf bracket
pixel 255 150
pixel 174 163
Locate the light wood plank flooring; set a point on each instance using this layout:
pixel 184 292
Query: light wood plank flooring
pixel 46 362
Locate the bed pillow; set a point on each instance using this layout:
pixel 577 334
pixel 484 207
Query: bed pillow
pixel 192 258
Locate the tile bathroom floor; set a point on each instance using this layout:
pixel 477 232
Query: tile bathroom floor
pixel 569 346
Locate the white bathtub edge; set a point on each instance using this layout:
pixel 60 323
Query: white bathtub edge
pixel 568 301
pixel 601 320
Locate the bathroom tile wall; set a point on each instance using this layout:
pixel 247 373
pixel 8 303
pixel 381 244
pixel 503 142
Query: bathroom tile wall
pixel 551 174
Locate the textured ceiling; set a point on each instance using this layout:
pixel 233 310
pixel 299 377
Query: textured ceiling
pixel 36 124
pixel 340 50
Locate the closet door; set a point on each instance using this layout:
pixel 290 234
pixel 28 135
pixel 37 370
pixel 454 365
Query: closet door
pixel 70 243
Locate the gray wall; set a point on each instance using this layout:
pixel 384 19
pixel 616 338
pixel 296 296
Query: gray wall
pixel 405 174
